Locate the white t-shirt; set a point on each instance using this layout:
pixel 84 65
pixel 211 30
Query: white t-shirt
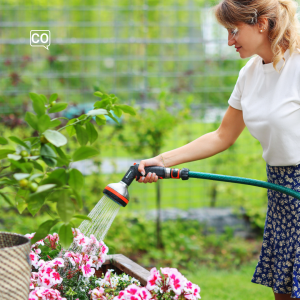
pixel 270 102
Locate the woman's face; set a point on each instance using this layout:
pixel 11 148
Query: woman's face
pixel 247 39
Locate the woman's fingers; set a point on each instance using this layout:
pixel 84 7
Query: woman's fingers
pixel 149 178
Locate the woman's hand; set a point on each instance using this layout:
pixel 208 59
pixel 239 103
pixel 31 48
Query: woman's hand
pixel 151 177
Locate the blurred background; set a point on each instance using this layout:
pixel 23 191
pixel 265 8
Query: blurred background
pixel 170 60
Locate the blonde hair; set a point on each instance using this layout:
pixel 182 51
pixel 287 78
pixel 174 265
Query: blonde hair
pixel 281 14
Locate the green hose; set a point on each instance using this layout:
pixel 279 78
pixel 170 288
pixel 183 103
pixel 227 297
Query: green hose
pixel 241 180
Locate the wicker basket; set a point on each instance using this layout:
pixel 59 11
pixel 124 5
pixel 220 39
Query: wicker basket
pixel 15 266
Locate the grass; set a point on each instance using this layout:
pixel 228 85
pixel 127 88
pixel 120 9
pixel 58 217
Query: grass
pixel 229 285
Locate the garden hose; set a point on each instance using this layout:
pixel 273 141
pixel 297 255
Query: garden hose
pixel 118 192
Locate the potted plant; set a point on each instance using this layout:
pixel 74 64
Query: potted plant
pixel 85 271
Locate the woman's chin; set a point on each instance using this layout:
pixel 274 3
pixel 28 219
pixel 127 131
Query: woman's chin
pixel 245 55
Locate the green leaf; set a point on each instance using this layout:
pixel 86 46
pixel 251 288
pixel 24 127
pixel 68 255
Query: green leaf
pixel 32 157
pixel 62 155
pixel 82 217
pixel 65 207
pixel 54 196
pixel 102 104
pixel 6 198
pixel 44 98
pixel 97 112
pixel 54 123
pixel 45 187
pixel 18 165
pixel 43 230
pixel 32 120
pixel 76 179
pixel 118 111
pixel 78 198
pixel 47 151
pixel 38 104
pixel 19 176
pixel 59 174
pixel 111 116
pixel 20 200
pixel 92 132
pixel 44 122
pixel 65 235
pixel 84 152
pixel 58 107
pixel 55 138
pixel 70 129
pixel 98 94
pixel 53 97
pixel 34 176
pixel 14 156
pixel 51 162
pixel 3 141
pixel 81 135
pixel 101 120
pixel 38 166
pixel 127 109
pixel 4 152
pixel 35 202
pixel 18 141
pixel 21 206
pixel 55 181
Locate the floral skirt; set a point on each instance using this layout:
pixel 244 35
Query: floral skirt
pixel 279 261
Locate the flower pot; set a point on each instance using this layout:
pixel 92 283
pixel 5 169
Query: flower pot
pixel 122 264
pixel 15 266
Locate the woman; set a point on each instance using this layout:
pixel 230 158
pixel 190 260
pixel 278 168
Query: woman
pixel 266 99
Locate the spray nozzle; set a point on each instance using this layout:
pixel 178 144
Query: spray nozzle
pixel 161 172
pixel 118 192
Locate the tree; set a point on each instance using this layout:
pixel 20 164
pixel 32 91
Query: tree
pixel 38 170
pixel 151 127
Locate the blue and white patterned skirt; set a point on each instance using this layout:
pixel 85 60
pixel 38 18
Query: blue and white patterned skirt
pixel 279 261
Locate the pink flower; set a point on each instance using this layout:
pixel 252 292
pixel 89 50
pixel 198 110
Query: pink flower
pixel 177 284
pixel 97 293
pixel 107 275
pixel 87 271
pixel 144 294
pixel 34 259
pixel 55 278
pixel 132 289
pixel 30 235
pixel 154 280
pixel 58 262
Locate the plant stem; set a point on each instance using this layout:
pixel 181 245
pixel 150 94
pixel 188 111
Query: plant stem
pixel 72 124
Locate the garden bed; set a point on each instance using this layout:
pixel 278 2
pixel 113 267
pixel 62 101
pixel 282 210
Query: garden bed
pixel 122 264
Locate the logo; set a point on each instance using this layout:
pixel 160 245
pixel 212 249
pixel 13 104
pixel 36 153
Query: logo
pixel 40 38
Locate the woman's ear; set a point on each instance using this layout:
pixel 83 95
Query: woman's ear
pixel 262 24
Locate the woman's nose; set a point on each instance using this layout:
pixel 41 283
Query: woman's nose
pixel 231 40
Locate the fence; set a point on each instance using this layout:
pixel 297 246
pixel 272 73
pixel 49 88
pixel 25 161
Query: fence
pixel 134 49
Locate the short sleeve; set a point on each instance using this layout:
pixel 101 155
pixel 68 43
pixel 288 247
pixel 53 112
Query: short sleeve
pixel 235 98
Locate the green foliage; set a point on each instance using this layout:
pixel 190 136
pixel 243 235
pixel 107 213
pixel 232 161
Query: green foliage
pixel 185 247
pixel 28 178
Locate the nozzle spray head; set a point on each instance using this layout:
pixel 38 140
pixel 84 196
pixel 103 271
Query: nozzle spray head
pixel 118 192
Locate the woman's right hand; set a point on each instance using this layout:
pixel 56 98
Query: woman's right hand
pixel 151 177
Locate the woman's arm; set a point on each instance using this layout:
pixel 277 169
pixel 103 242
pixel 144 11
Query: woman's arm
pixel 205 146
pixel 211 143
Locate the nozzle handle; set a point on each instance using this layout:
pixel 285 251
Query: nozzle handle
pixel 161 172
pixel 133 173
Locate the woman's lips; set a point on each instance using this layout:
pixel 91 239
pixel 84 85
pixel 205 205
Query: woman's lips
pixel 238 49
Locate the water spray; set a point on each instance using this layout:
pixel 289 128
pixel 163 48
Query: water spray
pixel 116 195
